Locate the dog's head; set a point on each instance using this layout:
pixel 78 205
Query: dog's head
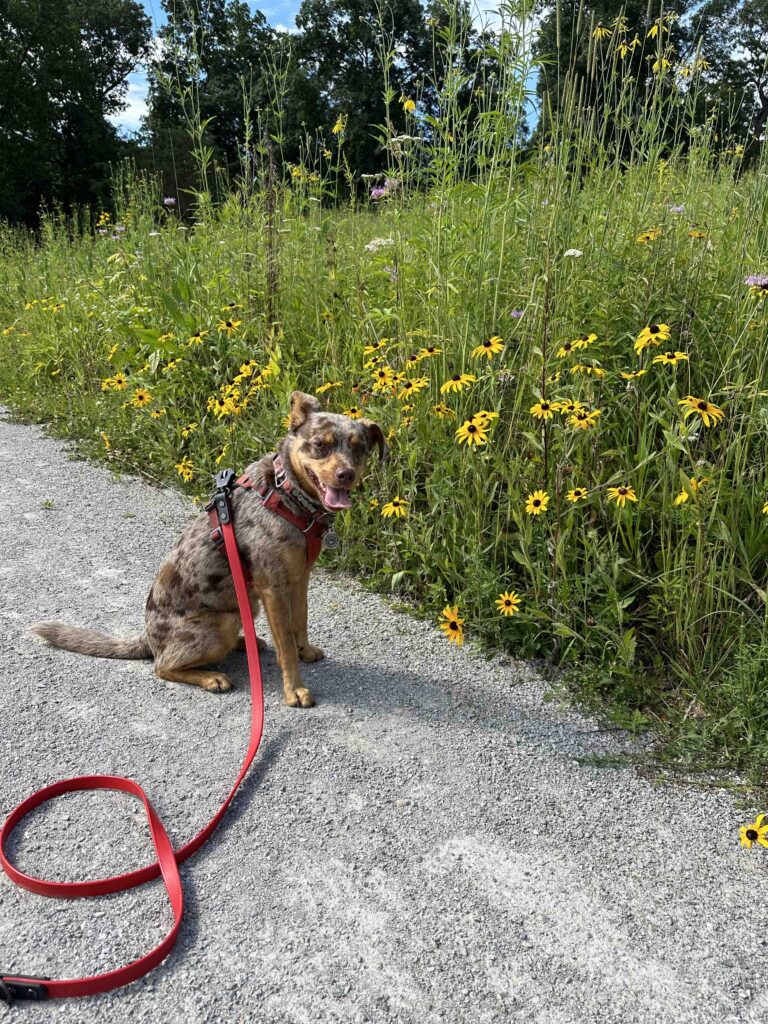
pixel 328 453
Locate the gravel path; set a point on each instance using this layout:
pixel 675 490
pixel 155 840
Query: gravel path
pixel 425 845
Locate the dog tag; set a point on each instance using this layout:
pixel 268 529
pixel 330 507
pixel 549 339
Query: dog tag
pixel 331 538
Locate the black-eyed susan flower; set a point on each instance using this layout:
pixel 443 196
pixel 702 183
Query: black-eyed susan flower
pixel 696 484
pixel 354 412
pixel 709 413
pixel 472 433
pixel 229 327
pixel 508 603
pixel 577 494
pixel 671 358
pixel 545 410
pixel 119 381
pixel 536 503
pixel 375 346
pixel 584 419
pixel 141 397
pixel 621 495
pixel 589 370
pixel 373 503
pixel 601 31
pixel 632 374
pixel 484 417
pixel 490 347
pixel 452 624
pixel 442 410
pixel 660 64
pixel 189 429
pixel 755 832
pixel 429 351
pixel 221 453
pixel 157 414
pixel 584 341
pixel 185 469
pixel 565 350
pixel 697 233
pixel 383 378
pixel 458 382
pixel 569 406
pixel 413 386
pixel 653 334
pixel 398 507
pixel 197 338
pixel 648 236
pixel 409 105
pixel 327 386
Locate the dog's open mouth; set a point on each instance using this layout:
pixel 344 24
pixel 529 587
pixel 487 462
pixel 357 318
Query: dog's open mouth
pixel 334 498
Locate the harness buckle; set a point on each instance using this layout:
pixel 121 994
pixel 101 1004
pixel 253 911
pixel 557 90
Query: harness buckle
pixel 30 989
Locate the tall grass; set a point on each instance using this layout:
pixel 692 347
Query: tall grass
pixel 663 600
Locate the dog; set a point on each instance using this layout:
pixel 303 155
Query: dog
pixel 191 616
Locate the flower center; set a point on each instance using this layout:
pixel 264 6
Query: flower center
pixel 654 329
pixel 536 502
pixel 702 406
pixel 751 834
pixel 622 490
pixel 454 625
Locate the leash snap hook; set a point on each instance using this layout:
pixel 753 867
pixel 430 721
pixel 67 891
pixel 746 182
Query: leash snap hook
pixel 30 989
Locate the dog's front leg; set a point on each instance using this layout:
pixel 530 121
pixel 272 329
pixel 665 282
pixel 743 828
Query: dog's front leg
pixel 307 651
pixel 277 605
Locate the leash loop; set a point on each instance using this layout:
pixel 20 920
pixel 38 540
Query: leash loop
pixel 19 986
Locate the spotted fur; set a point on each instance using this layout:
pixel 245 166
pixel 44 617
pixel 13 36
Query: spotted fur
pixel 191 614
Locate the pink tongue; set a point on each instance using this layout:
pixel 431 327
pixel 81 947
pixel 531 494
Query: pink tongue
pixel 336 498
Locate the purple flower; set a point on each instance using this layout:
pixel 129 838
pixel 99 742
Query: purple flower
pixel 378 192
pixel 169 201
pixel 115 238
pixel 757 281
pixel 516 313
pixel 119 228
pixel 392 271
pixel 677 209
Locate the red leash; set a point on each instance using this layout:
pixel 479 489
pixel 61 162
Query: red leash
pixel 21 986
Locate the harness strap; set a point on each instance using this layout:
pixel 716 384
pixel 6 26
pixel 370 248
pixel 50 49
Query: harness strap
pixel 311 526
pixel 21 986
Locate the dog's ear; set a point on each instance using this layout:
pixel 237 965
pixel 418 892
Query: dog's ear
pixel 301 407
pixel 375 436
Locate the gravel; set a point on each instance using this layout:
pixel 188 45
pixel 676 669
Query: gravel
pixel 426 845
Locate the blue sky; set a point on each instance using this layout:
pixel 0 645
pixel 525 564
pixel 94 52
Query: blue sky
pixel 280 13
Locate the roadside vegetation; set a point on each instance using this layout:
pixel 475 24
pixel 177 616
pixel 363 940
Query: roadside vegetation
pixel 567 349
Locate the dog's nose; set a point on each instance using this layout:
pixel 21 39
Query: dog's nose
pixel 345 476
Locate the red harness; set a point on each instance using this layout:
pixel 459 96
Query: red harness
pixel 310 524
pixel 22 986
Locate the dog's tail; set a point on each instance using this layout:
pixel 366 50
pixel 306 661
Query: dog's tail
pixel 89 641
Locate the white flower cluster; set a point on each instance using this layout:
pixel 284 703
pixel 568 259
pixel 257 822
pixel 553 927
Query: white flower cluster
pixel 378 243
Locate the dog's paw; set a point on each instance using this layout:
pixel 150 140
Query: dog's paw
pixel 300 697
pixel 217 682
pixel 311 653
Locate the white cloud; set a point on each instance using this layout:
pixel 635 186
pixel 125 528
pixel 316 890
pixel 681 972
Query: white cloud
pixel 136 104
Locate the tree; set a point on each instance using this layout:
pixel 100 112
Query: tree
pixel 343 49
pixel 734 44
pixel 63 70
pixel 589 49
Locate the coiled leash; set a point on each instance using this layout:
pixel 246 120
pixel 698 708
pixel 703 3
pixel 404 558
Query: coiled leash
pixel 20 986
